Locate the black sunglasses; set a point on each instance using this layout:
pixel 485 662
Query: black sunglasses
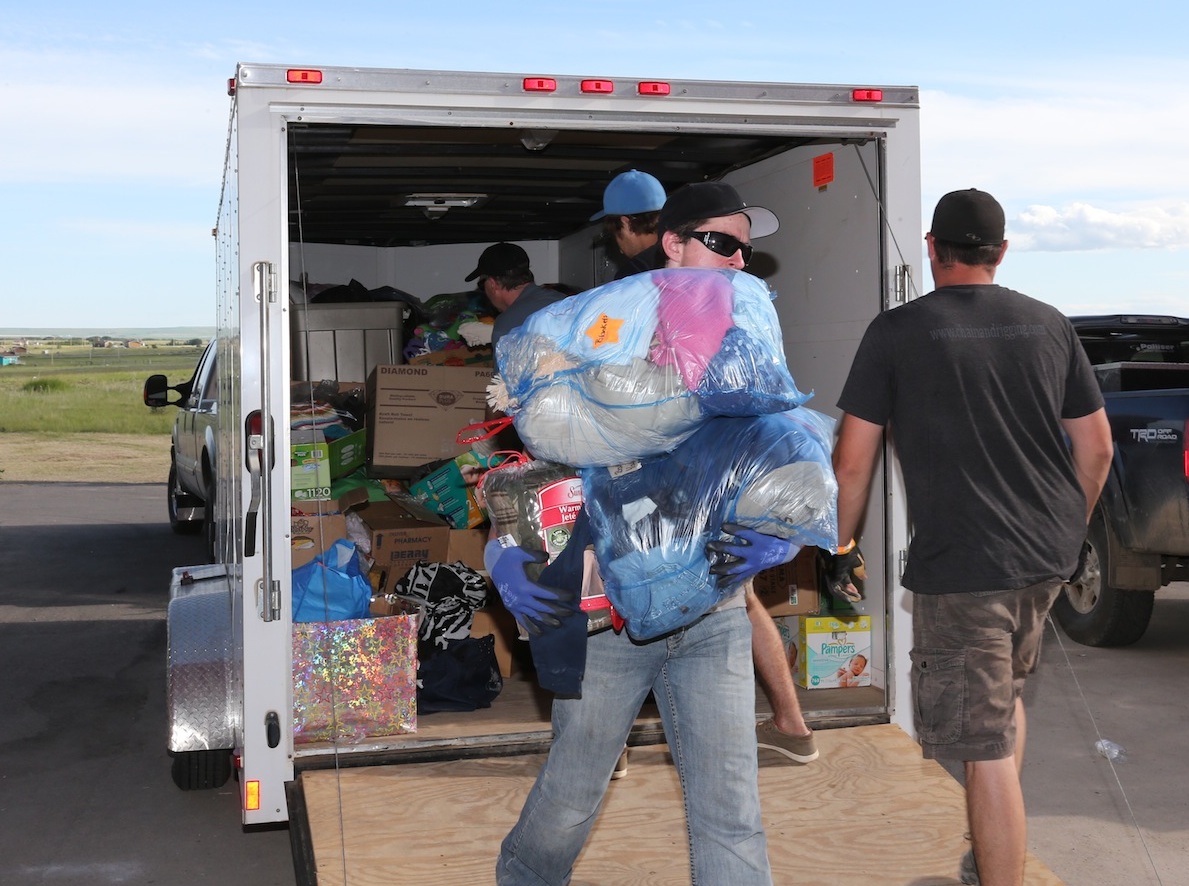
pixel 723 244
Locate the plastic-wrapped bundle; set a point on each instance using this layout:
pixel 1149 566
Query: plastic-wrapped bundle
pixel 652 521
pixel 536 503
pixel 633 368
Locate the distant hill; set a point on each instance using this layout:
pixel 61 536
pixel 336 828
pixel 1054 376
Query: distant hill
pixel 165 332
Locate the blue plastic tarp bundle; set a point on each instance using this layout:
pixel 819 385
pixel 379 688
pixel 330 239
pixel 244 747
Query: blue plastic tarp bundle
pixel 652 520
pixel 633 368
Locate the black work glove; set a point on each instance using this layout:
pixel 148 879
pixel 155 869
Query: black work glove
pixel 845 574
pixel 1079 572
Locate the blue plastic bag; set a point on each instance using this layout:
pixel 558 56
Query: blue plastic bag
pixel 332 586
pixel 652 520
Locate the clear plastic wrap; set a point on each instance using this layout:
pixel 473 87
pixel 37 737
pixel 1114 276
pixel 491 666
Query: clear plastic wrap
pixel 535 502
pixel 652 520
pixel 631 369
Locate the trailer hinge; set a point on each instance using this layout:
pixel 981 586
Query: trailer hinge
pixel 269 605
pixel 903 561
pixel 264 282
pixel 901 284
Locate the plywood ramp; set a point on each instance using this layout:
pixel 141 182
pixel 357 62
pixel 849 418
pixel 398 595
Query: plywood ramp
pixel 869 811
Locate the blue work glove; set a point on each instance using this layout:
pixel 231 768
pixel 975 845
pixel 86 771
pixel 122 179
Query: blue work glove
pixel 845 572
pixel 533 605
pixel 749 552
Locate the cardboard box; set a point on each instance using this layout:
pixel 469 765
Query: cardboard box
pixel 498 621
pixel 401 534
pixel 311 534
pixel 309 466
pixel 467 545
pixel 347 453
pixel 414 414
pixel 315 525
pixel 788 626
pixel 834 652
pixel 791 588
pixel 445 490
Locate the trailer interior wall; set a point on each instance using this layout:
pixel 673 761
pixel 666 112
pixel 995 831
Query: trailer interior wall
pixel 421 271
pixel 824 263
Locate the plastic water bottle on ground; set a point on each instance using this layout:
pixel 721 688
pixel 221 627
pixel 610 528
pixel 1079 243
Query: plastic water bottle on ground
pixel 1113 752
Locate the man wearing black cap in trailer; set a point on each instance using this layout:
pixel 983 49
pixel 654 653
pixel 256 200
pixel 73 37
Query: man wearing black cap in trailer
pixel 980 386
pixel 507 281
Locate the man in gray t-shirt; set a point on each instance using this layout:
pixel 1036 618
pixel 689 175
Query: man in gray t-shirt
pixel 1000 430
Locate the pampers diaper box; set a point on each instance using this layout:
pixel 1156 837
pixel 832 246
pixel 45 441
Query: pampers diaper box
pixel 834 652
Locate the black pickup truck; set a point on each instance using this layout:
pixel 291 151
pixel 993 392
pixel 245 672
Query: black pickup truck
pixel 1139 533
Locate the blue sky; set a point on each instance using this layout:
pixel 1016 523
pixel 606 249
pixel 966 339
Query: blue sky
pixel 115 118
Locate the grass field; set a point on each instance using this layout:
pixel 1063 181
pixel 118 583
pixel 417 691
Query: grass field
pixel 76 413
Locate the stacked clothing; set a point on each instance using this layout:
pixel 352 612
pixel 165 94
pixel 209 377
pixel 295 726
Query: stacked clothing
pixel 632 368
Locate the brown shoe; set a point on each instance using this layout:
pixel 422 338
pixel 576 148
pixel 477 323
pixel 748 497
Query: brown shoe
pixel 796 747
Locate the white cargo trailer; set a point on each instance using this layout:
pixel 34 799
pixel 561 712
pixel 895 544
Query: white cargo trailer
pixel 400 178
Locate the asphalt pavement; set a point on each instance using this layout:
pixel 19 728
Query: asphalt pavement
pixel 85 789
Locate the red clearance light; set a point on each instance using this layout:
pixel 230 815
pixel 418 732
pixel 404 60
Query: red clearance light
pixel 652 87
pixel 602 87
pixel 866 95
pixel 540 84
pixel 303 75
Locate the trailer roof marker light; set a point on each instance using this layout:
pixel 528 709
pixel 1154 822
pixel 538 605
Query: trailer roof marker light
pixel 303 75
pixel 252 795
pixel 598 87
pixel 652 87
pixel 866 95
pixel 540 84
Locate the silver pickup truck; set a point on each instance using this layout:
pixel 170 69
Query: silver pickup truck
pixel 1139 533
pixel 191 489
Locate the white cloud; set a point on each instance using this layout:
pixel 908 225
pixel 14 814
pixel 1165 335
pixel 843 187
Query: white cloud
pixel 1082 226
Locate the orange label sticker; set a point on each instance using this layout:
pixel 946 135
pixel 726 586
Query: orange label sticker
pixel 604 331
pixel 823 170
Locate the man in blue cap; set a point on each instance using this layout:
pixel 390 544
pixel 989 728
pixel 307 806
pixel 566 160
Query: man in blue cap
pixel 632 203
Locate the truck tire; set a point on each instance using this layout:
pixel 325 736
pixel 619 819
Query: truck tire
pixel 201 770
pixel 174 496
pixel 1095 614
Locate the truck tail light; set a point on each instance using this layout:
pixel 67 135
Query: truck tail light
pixel 1185 448
pixel 866 95
pixel 252 795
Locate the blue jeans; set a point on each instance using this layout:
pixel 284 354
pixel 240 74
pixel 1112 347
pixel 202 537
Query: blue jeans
pixel 704 686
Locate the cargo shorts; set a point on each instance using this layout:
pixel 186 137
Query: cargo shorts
pixel 971 653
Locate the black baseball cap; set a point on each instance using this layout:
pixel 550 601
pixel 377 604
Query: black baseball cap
pixel 499 259
pixel 700 200
pixel 971 218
